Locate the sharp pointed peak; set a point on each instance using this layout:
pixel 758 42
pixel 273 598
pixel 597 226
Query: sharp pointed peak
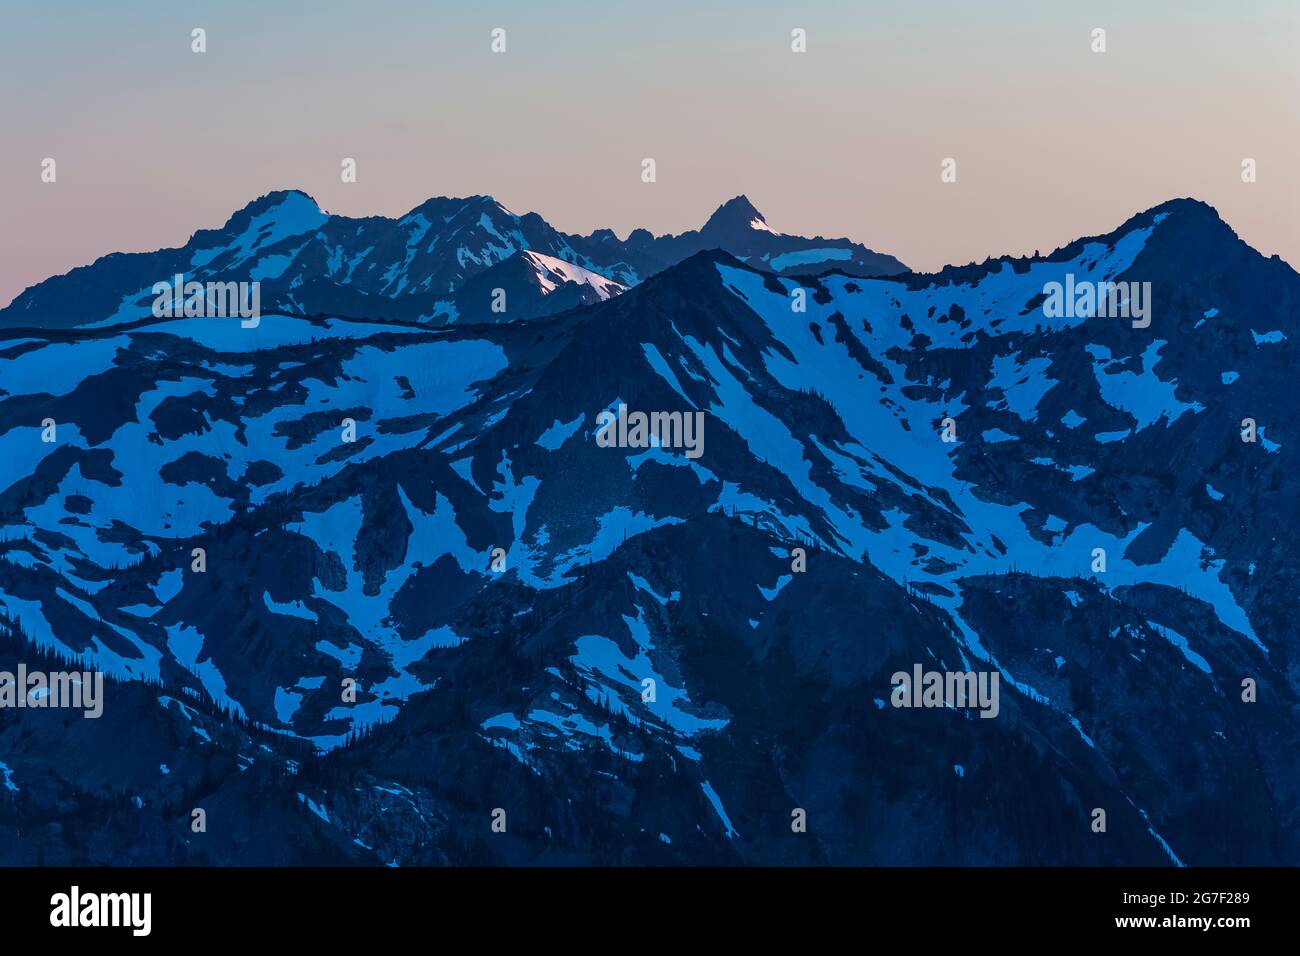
pixel 740 203
pixel 704 262
pixel 736 213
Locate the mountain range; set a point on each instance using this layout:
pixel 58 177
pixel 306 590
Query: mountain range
pixel 368 589
pixel 437 265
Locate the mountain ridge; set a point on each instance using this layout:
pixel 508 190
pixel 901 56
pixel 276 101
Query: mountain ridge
pixel 426 510
pixel 284 240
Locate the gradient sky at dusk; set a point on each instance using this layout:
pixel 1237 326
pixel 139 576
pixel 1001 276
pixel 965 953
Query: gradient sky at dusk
pixel 1052 140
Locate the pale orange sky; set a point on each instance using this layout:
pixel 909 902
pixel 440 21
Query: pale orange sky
pixel 1052 141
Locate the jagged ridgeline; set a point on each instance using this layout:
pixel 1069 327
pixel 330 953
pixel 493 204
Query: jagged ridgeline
pixel 366 587
pixel 446 261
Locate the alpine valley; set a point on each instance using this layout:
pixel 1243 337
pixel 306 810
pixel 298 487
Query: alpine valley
pixel 359 651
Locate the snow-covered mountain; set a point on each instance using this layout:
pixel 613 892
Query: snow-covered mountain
pixel 442 261
pixel 620 646
pixel 527 285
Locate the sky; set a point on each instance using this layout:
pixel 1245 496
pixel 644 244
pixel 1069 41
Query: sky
pixel 1052 141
